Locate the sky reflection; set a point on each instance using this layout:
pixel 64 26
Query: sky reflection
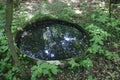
pixel 53 42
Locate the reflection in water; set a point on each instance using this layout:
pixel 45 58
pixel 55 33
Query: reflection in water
pixel 53 42
pixel 67 38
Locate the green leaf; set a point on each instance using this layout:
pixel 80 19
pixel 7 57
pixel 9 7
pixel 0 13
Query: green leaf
pixel 90 77
pixel 14 78
pixel 34 68
pixel 45 65
pixel 34 75
pixel 87 63
pixel 116 45
pixel 39 69
pixel 73 63
pixel 38 62
pixel 50 78
pixel 54 71
pixel 45 71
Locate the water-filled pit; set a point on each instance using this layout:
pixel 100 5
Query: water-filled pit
pixel 52 40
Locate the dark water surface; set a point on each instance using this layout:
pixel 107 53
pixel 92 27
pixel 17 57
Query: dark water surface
pixel 52 40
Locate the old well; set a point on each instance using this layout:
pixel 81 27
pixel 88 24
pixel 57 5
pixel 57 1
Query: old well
pixel 52 40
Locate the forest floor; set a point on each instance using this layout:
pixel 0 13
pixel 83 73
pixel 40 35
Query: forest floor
pixel 103 68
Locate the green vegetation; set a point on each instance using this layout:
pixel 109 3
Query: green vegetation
pixel 44 69
pixel 102 25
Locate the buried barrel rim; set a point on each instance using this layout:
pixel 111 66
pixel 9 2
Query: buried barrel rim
pixel 50 21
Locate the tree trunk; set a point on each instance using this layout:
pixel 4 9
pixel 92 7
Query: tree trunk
pixel 9 17
pixel 110 6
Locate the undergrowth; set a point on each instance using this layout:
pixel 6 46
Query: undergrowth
pixel 102 30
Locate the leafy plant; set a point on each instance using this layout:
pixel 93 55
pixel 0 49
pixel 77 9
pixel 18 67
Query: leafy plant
pixel 7 70
pixel 73 63
pixel 103 30
pixel 44 69
pixel 10 75
pixel 87 63
pixel 19 20
pixel 59 10
pixel 3 42
pixel 116 45
pixel 111 55
pixel 90 78
pixel 103 20
pixel 3 63
pixel 98 38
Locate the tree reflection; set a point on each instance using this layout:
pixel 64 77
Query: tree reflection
pixel 53 42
